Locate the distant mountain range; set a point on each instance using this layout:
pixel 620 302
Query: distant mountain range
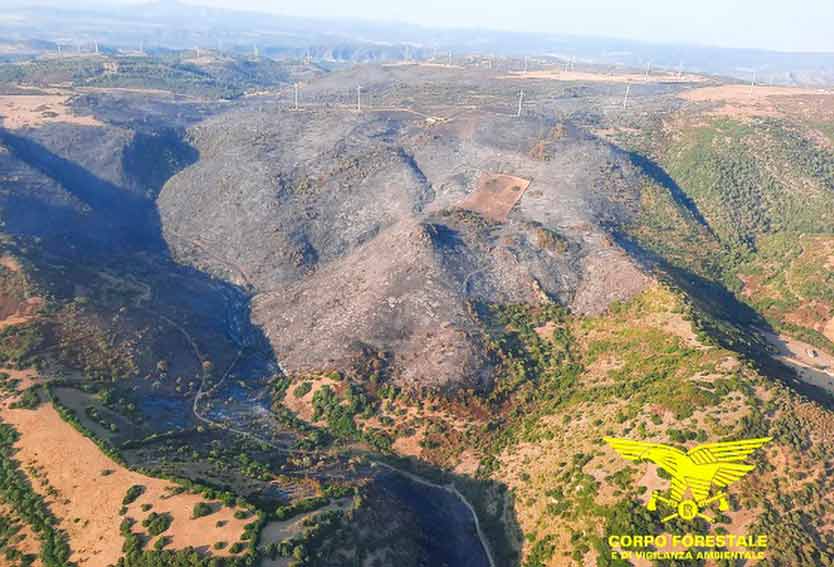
pixel 168 24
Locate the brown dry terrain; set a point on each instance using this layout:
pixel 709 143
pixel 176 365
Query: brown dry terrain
pixel 546 330
pixel 19 313
pixel 423 64
pixel 409 446
pixel 495 195
pixel 587 77
pixel 35 110
pixel 536 470
pixel 24 378
pixel 828 330
pixel 409 425
pixel 759 100
pixel 89 488
pixel 14 310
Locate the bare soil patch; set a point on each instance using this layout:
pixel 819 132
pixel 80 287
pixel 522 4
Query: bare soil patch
pixel 495 195
pixel 546 331
pixel 747 100
pixel 812 314
pixel 680 327
pixel 598 372
pixel 19 313
pixel 587 77
pixel 90 487
pixel 409 446
pixel 468 463
pixel 728 364
pixel 31 111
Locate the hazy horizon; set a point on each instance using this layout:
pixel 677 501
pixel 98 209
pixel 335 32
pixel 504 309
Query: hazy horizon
pixel 801 26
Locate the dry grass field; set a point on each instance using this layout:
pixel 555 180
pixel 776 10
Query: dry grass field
pixel 35 110
pixel 85 489
pixel 759 100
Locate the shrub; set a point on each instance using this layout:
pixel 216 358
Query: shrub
pixel 157 523
pixel 202 509
pixel 302 389
pixel 133 493
pixel 236 547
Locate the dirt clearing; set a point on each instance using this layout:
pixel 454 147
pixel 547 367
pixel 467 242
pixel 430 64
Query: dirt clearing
pixel 546 331
pixel 89 489
pixel 31 111
pixel 495 195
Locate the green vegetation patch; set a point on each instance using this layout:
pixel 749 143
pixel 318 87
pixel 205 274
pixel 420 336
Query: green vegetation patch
pixel 17 492
pixel 133 493
pixel 157 523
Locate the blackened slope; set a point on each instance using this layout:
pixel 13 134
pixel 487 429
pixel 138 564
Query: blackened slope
pixel 347 228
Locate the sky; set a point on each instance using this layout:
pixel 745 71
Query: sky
pixel 792 25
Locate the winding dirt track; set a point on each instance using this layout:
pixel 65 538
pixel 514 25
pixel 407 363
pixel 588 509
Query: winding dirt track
pixel 203 392
pixel 450 488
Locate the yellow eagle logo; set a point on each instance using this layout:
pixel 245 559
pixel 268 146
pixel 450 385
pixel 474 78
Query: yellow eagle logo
pixel 694 472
